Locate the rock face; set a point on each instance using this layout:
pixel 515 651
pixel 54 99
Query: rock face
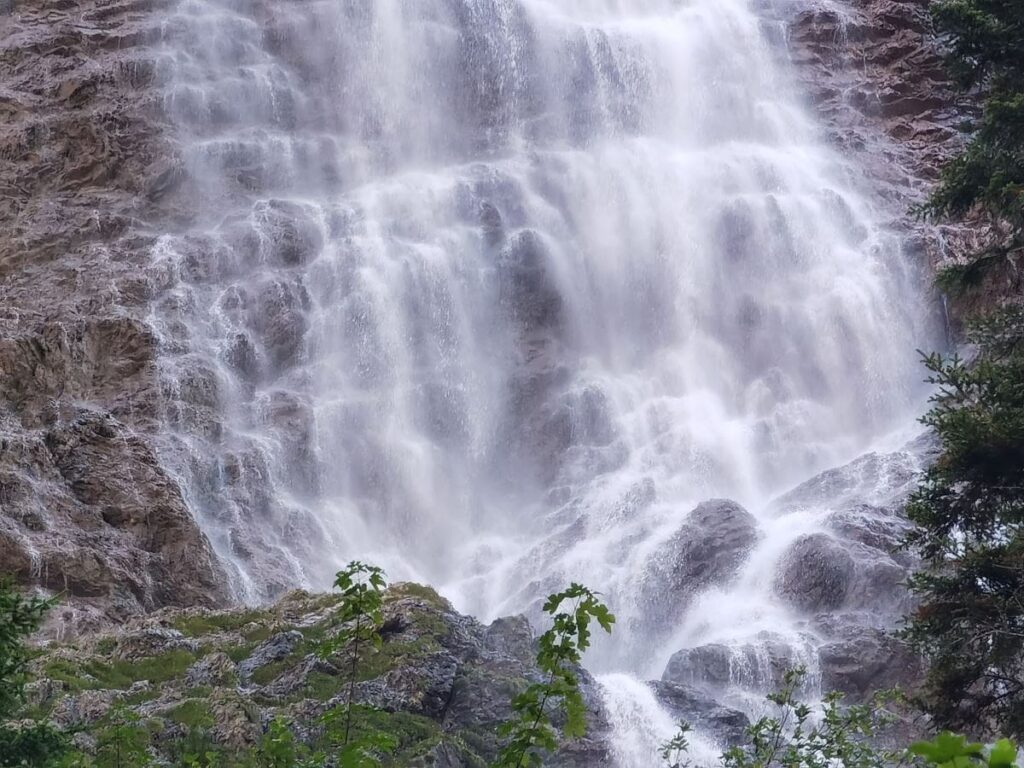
pixel 815 574
pixel 845 582
pixel 85 504
pixel 441 681
pixel 708 549
pixel 863 660
pixel 712 668
pixel 689 704
pixel 874 72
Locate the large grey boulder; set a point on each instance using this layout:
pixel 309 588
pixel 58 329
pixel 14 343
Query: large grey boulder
pixel 714 666
pixel 695 707
pixel 815 574
pixel 862 660
pixel 708 549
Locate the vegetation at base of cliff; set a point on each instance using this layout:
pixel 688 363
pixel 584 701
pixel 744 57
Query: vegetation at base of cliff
pixel 986 40
pixel 547 712
pixel 795 736
pixel 21 743
pixel 969 512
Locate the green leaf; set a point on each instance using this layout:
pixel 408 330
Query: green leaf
pixel 1003 754
pixel 945 748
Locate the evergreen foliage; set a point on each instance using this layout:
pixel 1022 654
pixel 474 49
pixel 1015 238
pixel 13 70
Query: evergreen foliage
pixel 986 39
pixel 969 511
pixel 32 743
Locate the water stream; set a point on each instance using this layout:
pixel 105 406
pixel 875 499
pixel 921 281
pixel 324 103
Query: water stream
pixel 494 292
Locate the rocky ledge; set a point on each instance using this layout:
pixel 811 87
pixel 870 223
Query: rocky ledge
pixel 215 680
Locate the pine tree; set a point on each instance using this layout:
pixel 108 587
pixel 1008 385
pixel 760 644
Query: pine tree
pixel 986 39
pixel 970 516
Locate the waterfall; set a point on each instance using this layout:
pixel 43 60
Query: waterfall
pixel 494 292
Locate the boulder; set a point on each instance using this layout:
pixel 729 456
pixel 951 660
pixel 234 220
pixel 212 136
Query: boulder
pixel 815 574
pixel 713 667
pixel 863 660
pixel 528 289
pixel 691 705
pixel 273 649
pixel 289 233
pixel 708 549
pixel 214 669
pixel 278 320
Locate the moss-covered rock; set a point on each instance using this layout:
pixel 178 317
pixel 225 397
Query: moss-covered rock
pixel 195 680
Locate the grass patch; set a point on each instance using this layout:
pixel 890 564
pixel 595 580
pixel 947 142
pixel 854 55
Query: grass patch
pixel 193 714
pixel 98 675
pixel 416 735
pixel 419 591
pixel 239 652
pixel 208 624
pixel 270 672
pixel 323 687
pixel 70 673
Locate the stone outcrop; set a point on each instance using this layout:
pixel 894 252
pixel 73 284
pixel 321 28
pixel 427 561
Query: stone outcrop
pixel 86 506
pixel 874 73
pixel 708 549
pixel 441 682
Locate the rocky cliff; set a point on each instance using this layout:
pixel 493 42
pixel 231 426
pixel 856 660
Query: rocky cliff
pixel 91 178
pixel 874 71
pixel 85 505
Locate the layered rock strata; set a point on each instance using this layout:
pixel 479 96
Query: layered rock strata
pixel 86 508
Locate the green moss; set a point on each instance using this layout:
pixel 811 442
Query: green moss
pixel 259 634
pixel 270 672
pixel 322 686
pixel 207 624
pixel 95 674
pixel 105 646
pixel 193 714
pixel 416 734
pixel 70 673
pixel 374 663
pixel 408 589
pixel 238 652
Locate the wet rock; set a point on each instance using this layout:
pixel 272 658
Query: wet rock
pixel 709 548
pixel 700 710
pixel 815 574
pixel 714 667
pixel 288 232
pixel 273 649
pixel 863 660
pixel 877 479
pixel 528 289
pixel 89 174
pixel 279 322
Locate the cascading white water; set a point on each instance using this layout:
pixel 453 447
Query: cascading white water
pixel 493 292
